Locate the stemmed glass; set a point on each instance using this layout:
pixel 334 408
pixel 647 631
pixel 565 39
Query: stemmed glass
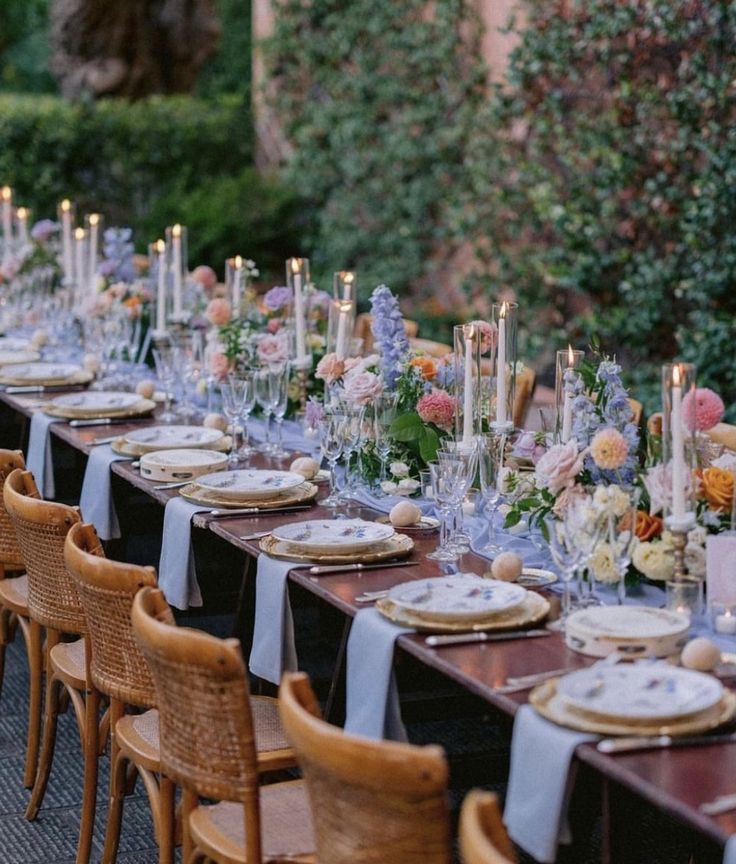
pixel 447 479
pixel 279 383
pixel 490 459
pixel 165 373
pixel 249 402
pixel 384 414
pixel 263 398
pixel 620 540
pixel 353 430
pixel 234 392
pixel 469 459
pixel 331 436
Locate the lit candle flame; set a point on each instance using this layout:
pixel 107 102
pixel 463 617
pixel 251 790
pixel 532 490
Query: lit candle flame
pixel 6 193
pixel 176 231
pixel 348 277
pixel 79 233
pixel 294 264
pixel 94 219
pixel 676 375
pixel 570 356
pixel 160 246
pixel 66 205
pixel 22 213
pixel 504 309
pixel 238 262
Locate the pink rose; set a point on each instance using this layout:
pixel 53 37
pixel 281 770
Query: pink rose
pixel 330 368
pixel 272 349
pixel 559 467
pixel 361 388
pixel 206 277
pixel 219 364
pixel 437 407
pixel 273 325
pixel 487 333
pixel 219 312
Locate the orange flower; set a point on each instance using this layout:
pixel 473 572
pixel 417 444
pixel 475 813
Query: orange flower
pixel 646 526
pixel 132 301
pixel 426 366
pixel 717 487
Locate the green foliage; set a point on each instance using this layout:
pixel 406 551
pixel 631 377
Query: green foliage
pixel 24 46
pixel 602 181
pixel 228 71
pixel 378 100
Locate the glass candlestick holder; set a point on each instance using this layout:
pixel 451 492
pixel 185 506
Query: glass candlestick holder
pixel 345 285
pixel 567 362
pixel 504 317
pixel 679 453
pixel 466 340
pixel 340 326
pixel 297 278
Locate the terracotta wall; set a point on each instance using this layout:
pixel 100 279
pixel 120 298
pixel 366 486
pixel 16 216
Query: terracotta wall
pixel 271 147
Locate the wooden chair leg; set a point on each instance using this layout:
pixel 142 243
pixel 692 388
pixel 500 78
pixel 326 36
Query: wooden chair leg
pixel 167 821
pixel 188 803
pixel 5 638
pixel 91 757
pixel 51 713
pixel 35 666
pixel 118 783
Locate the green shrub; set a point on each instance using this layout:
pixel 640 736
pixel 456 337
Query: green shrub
pixel 603 179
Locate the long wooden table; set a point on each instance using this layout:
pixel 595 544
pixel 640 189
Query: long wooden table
pixel 676 781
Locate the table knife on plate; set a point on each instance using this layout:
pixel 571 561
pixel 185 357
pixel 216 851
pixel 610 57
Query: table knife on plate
pixel 14 389
pixel 459 638
pixel 106 421
pixel 321 569
pixel 659 742
pixel 256 511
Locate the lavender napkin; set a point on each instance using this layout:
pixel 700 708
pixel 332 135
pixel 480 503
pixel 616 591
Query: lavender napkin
pixel 541 779
pixel 729 854
pixel 372 708
pixel 96 501
pixel 38 459
pixel 176 574
pixel 274 650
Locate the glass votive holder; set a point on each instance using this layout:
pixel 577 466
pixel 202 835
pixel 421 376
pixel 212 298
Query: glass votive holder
pixel 685 596
pixel 425 481
pixel 722 617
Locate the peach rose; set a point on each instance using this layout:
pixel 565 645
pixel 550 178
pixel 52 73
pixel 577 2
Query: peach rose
pixel 206 277
pixel 646 526
pixel 272 349
pixel 717 488
pixel 330 368
pixel 219 312
pixel 426 366
pixel 219 364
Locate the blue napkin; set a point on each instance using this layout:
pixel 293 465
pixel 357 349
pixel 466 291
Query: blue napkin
pixel 96 501
pixel 39 459
pixel 729 854
pixel 541 779
pixel 372 708
pixel 176 574
pixel 274 649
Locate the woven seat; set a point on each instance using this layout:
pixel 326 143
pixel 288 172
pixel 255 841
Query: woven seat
pixel 138 738
pixel 54 605
pixel 208 736
pixel 371 801
pixel 483 837
pixel 14 614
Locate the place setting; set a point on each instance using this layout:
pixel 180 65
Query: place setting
pixel 156 438
pixel 42 374
pixel 89 407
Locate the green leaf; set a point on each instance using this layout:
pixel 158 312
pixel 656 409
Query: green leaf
pixel 407 428
pixel 428 444
pixel 513 517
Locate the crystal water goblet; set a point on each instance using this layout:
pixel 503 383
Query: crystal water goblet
pixel 279 384
pixel 263 399
pixel 166 374
pixel 331 437
pixel 489 463
pixel 446 478
pixel 234 390
pixel 384 413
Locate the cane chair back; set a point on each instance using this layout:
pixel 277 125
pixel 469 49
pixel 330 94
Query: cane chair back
pixel 106 589
pixel 526 381
pixel 637 411
pixel 371 801
pixel 483 837
pixel 11 557
pixel 723 433
pixel 430 348
pixel 41 528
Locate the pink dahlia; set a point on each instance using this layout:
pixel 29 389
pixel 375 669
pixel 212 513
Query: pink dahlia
pixel 609 449
pixel 487 333
pixel 702 409
pixel 219 312
pixel 437 407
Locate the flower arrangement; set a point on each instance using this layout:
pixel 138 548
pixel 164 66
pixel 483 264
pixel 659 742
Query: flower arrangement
pixel 38 259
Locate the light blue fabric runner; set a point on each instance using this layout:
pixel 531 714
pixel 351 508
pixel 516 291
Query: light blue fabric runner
pixel 95 500
pixel 39 460
pixel 274 649
pixel 372 698
pixel 541 778
pixel 177 577
pixel 729 855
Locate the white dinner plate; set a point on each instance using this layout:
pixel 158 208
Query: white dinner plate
pixel 249 484
pixel 13 343
pixel 41 371
pixel 333 536
pixel 98 400
pixel 9 356
pixel 459 597
pixel 640 691
pixel 173 437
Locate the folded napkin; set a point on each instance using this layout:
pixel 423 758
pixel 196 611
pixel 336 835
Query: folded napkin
pixel 96 501
pixel 176 574
pixel 541 779
pixel 372 708
pixel 38 459
pixel 274 649
pixel 729 854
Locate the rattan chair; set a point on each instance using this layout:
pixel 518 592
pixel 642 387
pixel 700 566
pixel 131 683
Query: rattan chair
pixel 725 434
pixel 526 381
pixel 119 671
pixel 209 728
pixel 372 801
pixel 54 606
pixel 483 837
pixel 14 613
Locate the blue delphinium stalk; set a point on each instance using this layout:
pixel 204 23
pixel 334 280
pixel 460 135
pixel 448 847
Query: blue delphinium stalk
pixel 389 334
pixel 118 251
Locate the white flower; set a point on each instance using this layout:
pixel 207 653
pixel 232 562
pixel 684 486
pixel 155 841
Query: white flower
pixel 407 486
pixel 399 469
pixel 655 560
pixel 611 499
pixel 726 461
pixel 389 487
pixel 695 559
pixel 602 565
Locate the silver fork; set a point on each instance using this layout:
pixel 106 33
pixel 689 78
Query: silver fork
pixel 370 596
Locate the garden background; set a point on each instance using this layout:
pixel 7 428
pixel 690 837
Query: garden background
pixel 594 180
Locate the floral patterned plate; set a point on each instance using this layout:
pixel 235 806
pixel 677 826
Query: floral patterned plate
pixel 9 356
pixel 173 437
pixel 249 484
pixel 460 597
pixel 338 536
pixel 35 373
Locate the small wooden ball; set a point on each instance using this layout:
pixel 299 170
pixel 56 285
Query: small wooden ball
pixel 215 421
pixel 404 513
pixel 91 363
pixel 145 388
pixel 507 567
pixel 700 654
pixel 40 338
pixel 306 466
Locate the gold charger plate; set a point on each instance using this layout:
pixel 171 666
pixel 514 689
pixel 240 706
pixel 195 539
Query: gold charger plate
pixel 141 408
pixel 81 377
pixel 425 523
pixel 533 610
pixel 398 546
pixel 296 495
pixel 552 707
pixel 123 447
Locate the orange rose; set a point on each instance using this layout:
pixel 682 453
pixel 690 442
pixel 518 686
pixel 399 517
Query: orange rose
pixel 646 526
pixel 717 488
pixel 426 366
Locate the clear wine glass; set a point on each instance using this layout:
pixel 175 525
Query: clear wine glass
pixel 490 459
pixel 234 390
pixel 166 374
pixel 619 534
pixel 446 477
pixel 331 436
pixel 279 383
pixel 353 431
pixel 469 459
pixel 248 404
pixel 263 398
pixel 384 414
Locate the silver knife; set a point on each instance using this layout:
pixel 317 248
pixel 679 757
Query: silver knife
pixel 459 638
pixel 106 421
pixel 41 388
pixel 658 742
pixel 255 511
pixel 320 569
